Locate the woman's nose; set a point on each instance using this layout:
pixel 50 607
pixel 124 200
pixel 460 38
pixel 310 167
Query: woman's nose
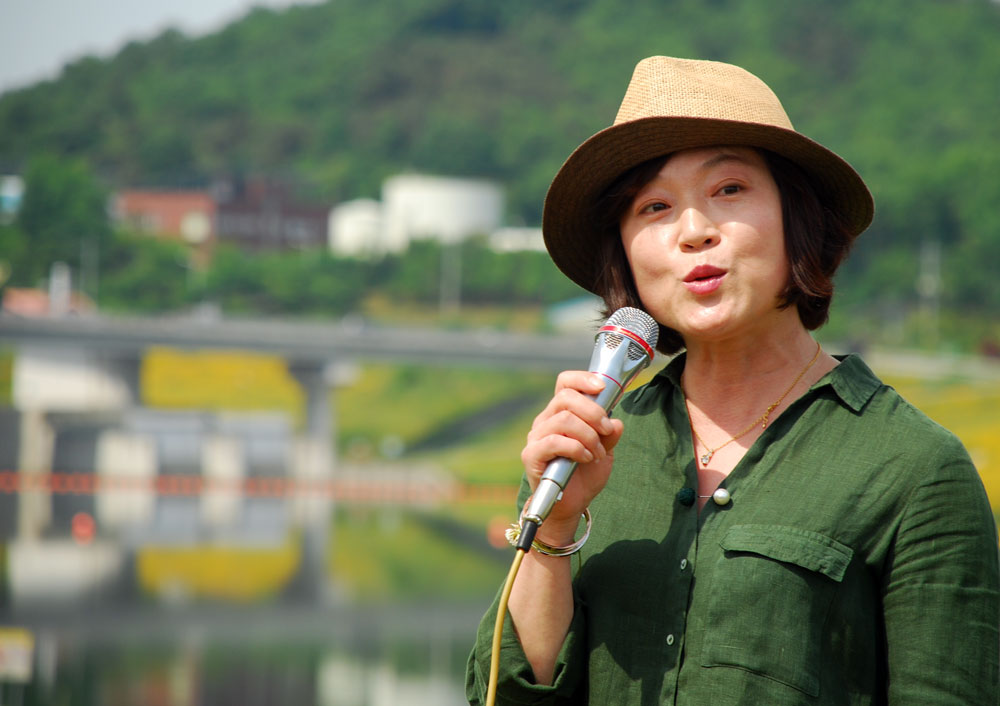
pixel 697 231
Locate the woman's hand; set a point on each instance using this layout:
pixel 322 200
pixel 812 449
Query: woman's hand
pixel 572 426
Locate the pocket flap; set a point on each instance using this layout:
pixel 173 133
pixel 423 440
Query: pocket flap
pixel 810 550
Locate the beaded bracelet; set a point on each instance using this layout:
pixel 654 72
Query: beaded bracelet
pixel 513 533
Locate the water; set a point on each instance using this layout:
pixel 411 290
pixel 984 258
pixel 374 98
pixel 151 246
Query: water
pixel 376 655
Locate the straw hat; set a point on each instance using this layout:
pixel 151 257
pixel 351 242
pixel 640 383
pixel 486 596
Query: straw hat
pixel 675 104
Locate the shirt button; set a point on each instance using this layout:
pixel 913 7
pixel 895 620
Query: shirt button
pixel 684 564
pixel 670 639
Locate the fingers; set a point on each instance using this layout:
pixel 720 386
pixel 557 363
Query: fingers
pixel 573 393
pixel 572 425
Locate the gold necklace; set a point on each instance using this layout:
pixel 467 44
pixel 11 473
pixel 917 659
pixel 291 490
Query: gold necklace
pixel 762 419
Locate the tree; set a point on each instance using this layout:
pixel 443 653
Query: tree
pixel 63 217
pixel 145 275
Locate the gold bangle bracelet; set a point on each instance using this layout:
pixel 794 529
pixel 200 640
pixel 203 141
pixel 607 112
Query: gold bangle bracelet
pixel 513 533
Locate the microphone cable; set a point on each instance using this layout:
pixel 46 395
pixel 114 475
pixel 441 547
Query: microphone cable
pixel 491 689
pixel 527 536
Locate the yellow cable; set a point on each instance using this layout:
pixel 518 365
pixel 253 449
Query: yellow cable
pixel 491 690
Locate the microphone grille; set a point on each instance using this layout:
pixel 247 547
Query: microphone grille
pixel 636 321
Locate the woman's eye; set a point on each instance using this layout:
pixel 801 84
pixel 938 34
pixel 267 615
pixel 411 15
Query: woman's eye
pixel 730 189
pixel 653 207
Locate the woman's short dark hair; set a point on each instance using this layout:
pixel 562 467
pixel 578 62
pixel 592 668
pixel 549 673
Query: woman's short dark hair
pixel 816 242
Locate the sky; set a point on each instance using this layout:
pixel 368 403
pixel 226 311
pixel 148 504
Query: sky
pixel 38 37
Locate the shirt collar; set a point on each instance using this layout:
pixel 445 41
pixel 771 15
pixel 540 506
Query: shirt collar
pixel 852 381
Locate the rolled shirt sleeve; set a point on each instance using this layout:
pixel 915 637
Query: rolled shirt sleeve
pixel 516 683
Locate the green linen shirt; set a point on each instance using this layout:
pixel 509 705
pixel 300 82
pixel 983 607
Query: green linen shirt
pixel 856 564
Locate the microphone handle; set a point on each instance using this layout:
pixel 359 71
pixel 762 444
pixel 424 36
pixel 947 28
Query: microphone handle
pixel 560 470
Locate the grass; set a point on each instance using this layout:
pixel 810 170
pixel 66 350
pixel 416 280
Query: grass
pixel 495 455
pixel 6 376
pixel 406 403
pixel 491 457
pixel 380 554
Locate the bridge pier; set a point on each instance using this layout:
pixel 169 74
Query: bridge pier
pixel 316 385
pixel 316 452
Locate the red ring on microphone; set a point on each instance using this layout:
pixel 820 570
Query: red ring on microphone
pixel 628 334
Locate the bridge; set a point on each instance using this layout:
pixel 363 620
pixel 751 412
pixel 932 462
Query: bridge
pixel 115 345
pixel 112 349
pixel 301 343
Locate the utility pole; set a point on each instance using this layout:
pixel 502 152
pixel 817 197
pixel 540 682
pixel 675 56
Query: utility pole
pixel 451 277
pixel 929 289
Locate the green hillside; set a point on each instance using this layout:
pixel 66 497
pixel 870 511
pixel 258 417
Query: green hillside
pixel 339 95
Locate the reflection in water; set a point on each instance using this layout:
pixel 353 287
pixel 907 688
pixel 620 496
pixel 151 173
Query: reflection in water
pixel 200 553
pixel 140 664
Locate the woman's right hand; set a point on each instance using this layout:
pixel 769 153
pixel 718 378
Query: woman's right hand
pixel 572 426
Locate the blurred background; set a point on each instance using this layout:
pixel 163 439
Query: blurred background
pixel 276 314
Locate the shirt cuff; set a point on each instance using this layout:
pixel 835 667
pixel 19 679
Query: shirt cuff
pixel 516 680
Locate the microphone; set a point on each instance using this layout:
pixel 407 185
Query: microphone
pixel 624 347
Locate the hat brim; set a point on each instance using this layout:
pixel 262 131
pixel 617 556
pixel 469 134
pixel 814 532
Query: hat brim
pixel 568 220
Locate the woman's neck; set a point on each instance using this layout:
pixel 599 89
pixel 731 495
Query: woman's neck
pixel 735 380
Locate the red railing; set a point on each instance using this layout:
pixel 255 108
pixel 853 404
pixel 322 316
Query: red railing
pixel 374 491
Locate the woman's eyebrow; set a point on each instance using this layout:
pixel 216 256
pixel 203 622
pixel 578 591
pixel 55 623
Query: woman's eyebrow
pixel 722 158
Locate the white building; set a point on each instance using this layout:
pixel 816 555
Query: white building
pixel 355 228
pixel 418 206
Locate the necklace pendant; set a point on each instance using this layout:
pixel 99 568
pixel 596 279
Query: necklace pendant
pixel 705 458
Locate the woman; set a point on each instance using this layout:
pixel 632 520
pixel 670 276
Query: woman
pixel 771 524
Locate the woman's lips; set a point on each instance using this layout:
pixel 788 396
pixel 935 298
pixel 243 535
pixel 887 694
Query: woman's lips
pixel 704 279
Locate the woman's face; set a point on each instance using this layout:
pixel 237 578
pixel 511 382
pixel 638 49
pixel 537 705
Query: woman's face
pixel 705 243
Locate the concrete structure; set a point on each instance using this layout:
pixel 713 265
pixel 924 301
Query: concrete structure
pixel 356 228
pixel 60 570
pixel 71 380
pixel 517 240
pixel 419 206
pixel 413 207
pixel 301 343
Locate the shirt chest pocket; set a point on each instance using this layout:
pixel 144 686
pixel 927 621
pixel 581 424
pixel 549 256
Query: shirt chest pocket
pixel 771 592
